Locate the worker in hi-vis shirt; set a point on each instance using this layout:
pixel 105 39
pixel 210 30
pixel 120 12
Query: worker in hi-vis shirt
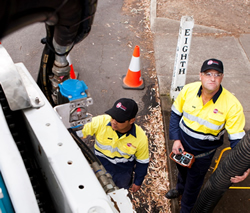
pixel 120 144
pixel 200 115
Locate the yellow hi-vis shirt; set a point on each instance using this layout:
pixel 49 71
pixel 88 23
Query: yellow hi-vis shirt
pixel 209 121
pixel 129 147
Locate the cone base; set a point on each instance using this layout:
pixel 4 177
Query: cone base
pixel 75 75
pixel 142 86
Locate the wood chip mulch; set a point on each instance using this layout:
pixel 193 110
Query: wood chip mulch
pixel 151 196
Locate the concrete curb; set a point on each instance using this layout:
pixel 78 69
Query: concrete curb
pixel 172 169
pixel 165 109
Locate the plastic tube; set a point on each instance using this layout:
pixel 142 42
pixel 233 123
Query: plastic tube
pixel 235 163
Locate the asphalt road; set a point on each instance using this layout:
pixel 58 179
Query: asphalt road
pixel 101 59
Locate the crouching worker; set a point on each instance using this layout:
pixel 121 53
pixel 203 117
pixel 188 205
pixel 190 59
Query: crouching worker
pixel 120 144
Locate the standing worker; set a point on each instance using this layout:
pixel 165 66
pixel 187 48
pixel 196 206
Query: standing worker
pixel 200 115
pixel 120 144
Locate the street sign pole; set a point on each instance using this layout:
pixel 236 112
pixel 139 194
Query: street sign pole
pixel 181 58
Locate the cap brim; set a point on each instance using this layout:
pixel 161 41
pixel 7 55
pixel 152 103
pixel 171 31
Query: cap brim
pixel 212 68
pixel 116 115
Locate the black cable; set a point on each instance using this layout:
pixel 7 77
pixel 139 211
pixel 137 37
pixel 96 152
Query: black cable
pixel 46 64
pixel 90 156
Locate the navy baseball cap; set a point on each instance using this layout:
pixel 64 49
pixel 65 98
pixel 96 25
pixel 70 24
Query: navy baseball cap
pixel 212 64
pixel 124 109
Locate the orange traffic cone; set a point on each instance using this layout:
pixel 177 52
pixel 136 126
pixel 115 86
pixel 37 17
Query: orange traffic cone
pixel 73 75
pixel 133 78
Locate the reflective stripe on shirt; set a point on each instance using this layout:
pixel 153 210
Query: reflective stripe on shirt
pixel 111 149
pixel 236 136
pixel 203 122
pixel 175 110
pixel 115 160
pixel 200 136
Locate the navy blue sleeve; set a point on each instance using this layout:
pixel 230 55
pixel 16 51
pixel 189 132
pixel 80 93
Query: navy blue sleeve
pixel 140 172
pixel 174 126
pixel 233 143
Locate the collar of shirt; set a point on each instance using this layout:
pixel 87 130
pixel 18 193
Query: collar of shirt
pixel 132 131
pixel 215 97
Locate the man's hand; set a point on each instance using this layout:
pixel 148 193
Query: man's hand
pixel 177 146
pixel 135 188
pixel 238 179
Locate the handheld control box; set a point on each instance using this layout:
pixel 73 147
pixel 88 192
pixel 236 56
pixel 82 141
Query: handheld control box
pixel 184 159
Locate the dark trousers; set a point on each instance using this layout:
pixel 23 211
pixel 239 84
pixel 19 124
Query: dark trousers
pixel 123 179
pixel 190 181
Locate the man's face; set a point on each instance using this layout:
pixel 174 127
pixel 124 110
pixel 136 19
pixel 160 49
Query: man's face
pixel 211 80
pixel 121 127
